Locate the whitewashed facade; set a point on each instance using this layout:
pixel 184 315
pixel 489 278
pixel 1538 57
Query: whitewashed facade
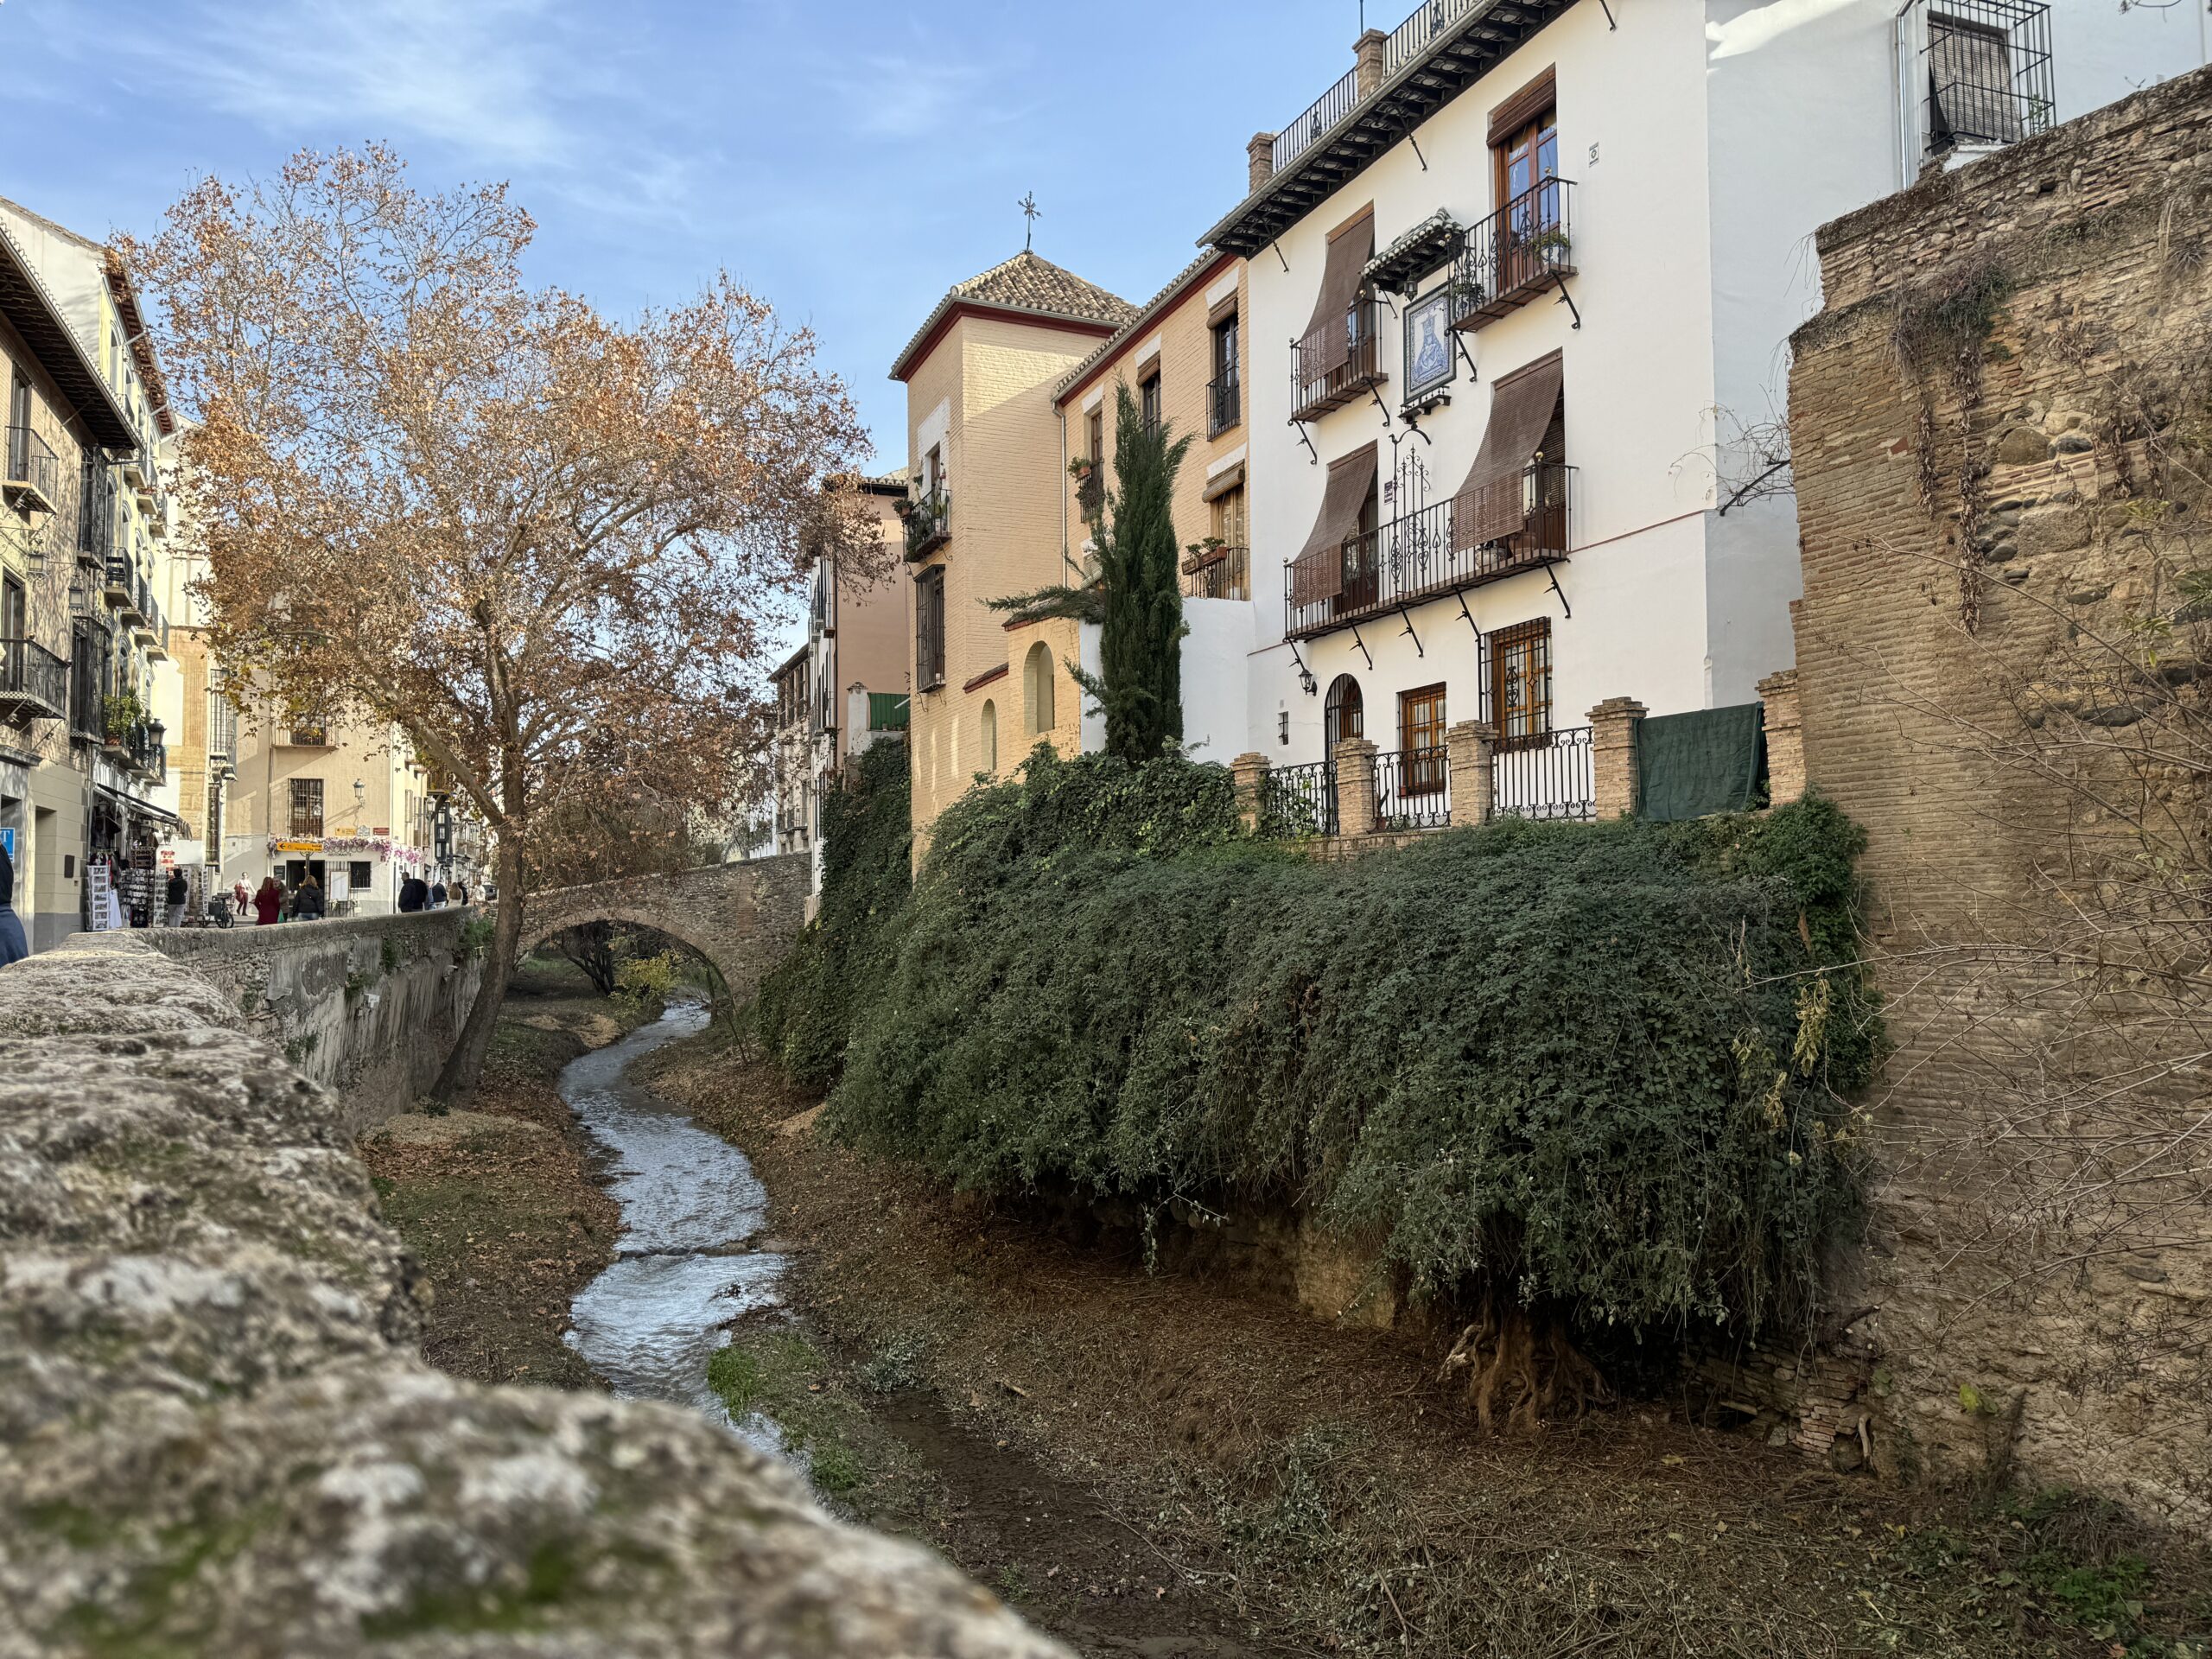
pixel 1697 144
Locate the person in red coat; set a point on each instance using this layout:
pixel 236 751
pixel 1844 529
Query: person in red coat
pixel 269 902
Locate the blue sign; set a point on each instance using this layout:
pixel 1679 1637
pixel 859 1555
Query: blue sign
pixel 8 841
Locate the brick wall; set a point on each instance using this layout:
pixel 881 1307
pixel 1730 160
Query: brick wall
pixel 1976 419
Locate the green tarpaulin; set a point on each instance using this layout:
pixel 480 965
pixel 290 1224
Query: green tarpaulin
pixel 1714 760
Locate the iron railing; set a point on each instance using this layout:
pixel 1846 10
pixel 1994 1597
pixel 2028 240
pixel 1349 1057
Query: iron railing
pixel 34 682
pixel 1224 406
pixel 141 748
pixel 1324 113
pixel 1511 253
pixel 1985 70
pixel 929 629
pixel 1336 363
pixel 929 524
pixel 1414 36
pixel 1413 789
pixel 1547 775
pixel 1432 552
pixel 1227 576
pixel 34 481
pixel 88 657
pixel 1300 800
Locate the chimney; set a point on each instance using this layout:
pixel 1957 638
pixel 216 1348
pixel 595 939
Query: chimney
pixel 1368 50
pixel 1262 150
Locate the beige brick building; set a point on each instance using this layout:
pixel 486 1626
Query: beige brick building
pixel 985 518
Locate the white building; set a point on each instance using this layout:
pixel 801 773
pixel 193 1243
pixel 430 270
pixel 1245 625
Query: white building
pixel 1521 287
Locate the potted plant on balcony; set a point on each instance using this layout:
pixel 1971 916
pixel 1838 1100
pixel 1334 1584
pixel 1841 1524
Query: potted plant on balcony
pixel 119 715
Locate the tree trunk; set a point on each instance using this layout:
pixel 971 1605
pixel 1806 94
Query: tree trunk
pixel 590 946
pixel 464 1067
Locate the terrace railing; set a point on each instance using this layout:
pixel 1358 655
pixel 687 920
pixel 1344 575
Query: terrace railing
pixel 1544 775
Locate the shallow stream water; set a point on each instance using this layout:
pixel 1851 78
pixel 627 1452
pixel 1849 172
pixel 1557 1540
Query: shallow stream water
pixel 691 1207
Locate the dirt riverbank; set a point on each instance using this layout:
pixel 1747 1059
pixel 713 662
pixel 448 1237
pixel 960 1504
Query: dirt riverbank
pixel 1093 1441
pixel 503 1204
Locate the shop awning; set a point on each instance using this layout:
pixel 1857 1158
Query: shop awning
pixel 1492 504
pixel 1318 573
pixel 131 807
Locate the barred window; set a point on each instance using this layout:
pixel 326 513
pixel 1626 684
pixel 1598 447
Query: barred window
pixel 307 807
pixel 929 629
pixel 1521 682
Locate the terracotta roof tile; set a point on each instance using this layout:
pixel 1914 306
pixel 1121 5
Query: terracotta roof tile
pixel 1027 283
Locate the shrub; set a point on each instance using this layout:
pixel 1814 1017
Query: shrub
pixel 1600 1067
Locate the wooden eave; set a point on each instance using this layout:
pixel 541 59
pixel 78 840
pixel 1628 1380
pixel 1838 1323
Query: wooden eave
pixel 1451 64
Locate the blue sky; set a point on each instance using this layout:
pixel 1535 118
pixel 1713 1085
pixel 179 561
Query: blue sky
pixel 847 161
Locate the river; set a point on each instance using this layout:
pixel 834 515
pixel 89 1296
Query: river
pixel 685 1265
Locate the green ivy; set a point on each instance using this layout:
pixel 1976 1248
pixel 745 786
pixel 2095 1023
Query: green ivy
pixel 1605 1066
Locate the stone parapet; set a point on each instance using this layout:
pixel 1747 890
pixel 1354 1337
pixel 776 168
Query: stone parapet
pixel 1468 746
pixel 1250 770
pixel 208 1372
pixel 1614 784
pixel 1785 738
pixel 1357 813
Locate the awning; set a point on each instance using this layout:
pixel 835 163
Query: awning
pixel 133 807
pixel 1318 573
pixel 1492 505
pixel 1227 478
pixel 1349 249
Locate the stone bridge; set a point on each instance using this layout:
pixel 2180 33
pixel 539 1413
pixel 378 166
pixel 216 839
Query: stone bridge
pixel 742 918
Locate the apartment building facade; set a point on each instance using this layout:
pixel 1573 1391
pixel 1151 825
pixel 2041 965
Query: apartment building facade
pixel 1519 287
pixel 984 517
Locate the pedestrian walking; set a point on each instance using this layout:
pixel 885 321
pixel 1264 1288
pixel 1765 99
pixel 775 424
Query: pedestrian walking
pixel 413 894
pixel 307 902
pixel 268 902
pixel 438 895
pixel 460 893
pixel 13 946
pixel 173 899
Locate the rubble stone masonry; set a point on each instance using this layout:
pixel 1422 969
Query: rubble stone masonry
pixel 1997 423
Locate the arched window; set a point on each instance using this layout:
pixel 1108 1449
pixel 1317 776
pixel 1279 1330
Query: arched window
pixel 1343 715
pixel 1037 689
pixel 989 740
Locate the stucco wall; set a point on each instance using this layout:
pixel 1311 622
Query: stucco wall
pixel 367 1006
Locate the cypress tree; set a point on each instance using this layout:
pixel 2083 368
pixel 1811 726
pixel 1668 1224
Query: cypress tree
pixel 1137 598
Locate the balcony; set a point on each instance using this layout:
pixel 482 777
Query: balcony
pixel 95 517
pixel 1426 555
pixel 929 524
pixel 306 737
pixel 1327 371
pixel 122 590
pixel 1513 254
pixel 33 682
pixel 140 749
pixel 1224 406
pixel 1218 572
pixel 33 483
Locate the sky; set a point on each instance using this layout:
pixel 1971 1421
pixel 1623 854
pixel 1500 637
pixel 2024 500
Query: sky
pixel 848 162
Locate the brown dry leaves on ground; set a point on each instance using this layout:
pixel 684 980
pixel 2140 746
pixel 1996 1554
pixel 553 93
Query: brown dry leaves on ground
pixel 1320 1483
pixel 501 1204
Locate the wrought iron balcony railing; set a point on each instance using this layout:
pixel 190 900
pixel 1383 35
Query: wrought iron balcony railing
pixel 1224 406
pixel 1444 549
pixel 33 483
pixel 34 682
pixel 1413 789
pixel 1544 775
pixel 95 513
pixel 1513 253
pixel 1336 364
pixel 929 524
pixel 1300 800
pixel 1218 573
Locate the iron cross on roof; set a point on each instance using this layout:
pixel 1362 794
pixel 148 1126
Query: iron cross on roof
pixel 1033 212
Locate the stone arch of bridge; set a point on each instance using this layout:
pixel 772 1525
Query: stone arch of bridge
pixel 692 939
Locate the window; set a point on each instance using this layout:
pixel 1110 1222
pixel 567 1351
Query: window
pixel 1225 403
pixel 14 624
pixel 933 472
pixel 1524 140
pixel 1149 400
pixel 358 874
pixel 1521 682
pixel 1986 74
pixel 987 737
pixel 1095 436
pixel 929 629
pixel 1229 518
pixel 1037 690
pixel 1420 738
pixel 1343 713
pixel 307 807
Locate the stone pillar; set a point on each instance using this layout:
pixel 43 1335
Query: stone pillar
pixel 1356 813
pixel 1250 772
pixel 1467 747
pixel 1261 154
pixel 1613 756
pixel 1785 738
pixel 1367 51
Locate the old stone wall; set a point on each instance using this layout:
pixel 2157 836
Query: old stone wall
pixel 367 1006
pixel 743 918
pixel 1998 425
pixel 216 1435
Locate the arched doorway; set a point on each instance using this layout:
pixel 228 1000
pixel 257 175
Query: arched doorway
pixel 1342 716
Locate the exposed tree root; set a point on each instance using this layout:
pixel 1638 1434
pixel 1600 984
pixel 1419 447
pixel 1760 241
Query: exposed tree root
pixel 1522 1373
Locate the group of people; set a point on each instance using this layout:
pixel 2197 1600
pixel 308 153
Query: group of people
pixel 416 893
pixel 307 902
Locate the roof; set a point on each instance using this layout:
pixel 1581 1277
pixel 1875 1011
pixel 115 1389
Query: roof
pixel 1024 286
pixel 792 661
pixel 1428 61
pixel 885 484
pixel 126 305
pixel 32 311
pixel 1178 285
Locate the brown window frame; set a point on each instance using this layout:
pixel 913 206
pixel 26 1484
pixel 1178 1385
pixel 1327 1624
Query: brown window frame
pixel 1534 676
pixel 1422 714
pixel 1149 403
pixel 930 654
pixel 299 794
pixel 1095 434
